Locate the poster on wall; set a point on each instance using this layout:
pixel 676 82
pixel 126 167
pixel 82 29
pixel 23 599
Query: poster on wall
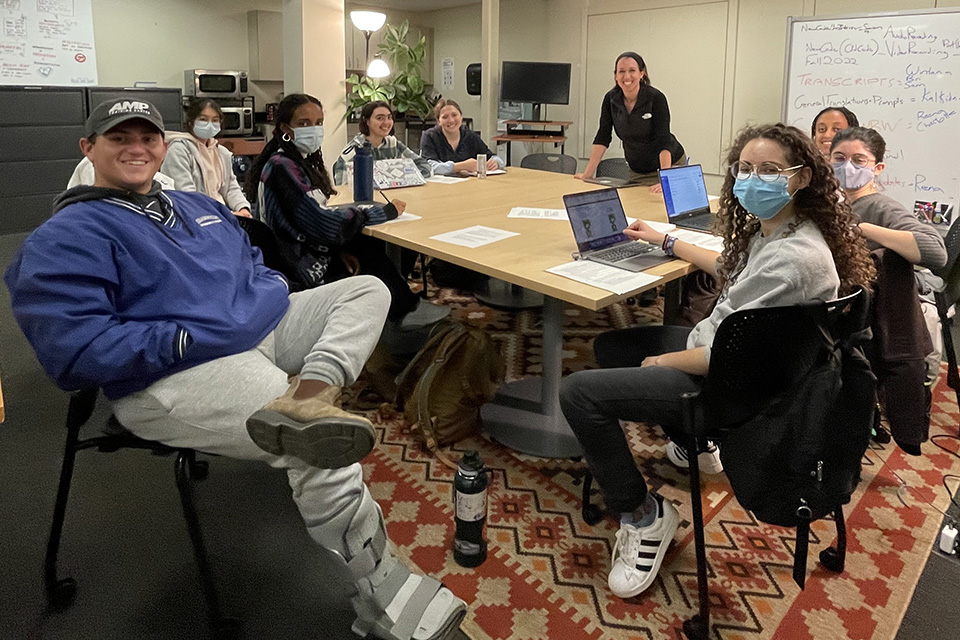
pixel 47 43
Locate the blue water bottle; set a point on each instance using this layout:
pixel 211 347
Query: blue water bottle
pixel 363 173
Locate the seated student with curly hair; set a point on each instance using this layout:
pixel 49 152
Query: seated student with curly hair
pixel 787 239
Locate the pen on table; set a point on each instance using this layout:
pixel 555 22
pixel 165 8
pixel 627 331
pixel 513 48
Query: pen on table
pixel 384 195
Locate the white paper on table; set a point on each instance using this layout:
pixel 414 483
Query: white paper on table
pixel 475 236
pixel 445 179
pixel 704 240
pixel 540 214
pixel 713 197
pixel 603 276
pixel 404 217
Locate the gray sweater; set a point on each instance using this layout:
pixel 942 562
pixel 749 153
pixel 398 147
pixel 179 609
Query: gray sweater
pixel 782 269
pixel 884 211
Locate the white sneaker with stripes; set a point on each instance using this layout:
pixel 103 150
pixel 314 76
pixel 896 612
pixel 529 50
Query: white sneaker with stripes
pixel 638 551
pixel 709 459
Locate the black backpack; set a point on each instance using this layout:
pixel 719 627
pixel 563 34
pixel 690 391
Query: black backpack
pixel 798 459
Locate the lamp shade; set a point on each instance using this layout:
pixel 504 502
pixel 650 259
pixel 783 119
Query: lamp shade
pixel 368 20
pixel 378 68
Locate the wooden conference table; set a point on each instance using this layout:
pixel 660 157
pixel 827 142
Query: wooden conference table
pixel 525 415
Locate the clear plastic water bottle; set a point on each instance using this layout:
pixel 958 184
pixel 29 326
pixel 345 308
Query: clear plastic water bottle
pixel 363 173
pixel 470 510
pixel 481 165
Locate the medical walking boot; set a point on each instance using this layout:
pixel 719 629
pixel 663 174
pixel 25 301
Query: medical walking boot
pixel 314 429
pixel 391 602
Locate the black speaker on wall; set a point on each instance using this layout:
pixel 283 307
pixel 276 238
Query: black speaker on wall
pixel 473 79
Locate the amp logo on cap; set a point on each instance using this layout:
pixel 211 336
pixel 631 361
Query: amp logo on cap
pixel 127 106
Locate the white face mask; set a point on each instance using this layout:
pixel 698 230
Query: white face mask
pixel 205 130
pixel 852 177
pixel 308 139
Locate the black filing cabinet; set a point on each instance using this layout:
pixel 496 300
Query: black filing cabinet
pixel 40 131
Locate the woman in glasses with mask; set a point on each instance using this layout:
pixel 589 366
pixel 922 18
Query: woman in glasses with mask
pixel 787 239
pixel 322 243
pixel 197 162
pixel 857 157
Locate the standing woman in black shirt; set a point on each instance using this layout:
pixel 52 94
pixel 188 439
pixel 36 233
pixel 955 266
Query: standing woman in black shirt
pixel 640 116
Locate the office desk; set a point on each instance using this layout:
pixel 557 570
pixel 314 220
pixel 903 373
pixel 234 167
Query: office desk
pixel 525 415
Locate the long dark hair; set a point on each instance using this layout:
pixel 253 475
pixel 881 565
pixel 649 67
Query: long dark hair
pixel 367 111
pixel 312 164
pixel 869 137
pixel 640 63
pixel 819 201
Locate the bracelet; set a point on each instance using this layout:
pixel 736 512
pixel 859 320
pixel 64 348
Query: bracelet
pixel 667 246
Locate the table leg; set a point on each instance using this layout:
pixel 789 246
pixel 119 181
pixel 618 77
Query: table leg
pixel 525 414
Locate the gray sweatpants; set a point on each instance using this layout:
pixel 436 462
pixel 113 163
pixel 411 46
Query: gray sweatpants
pixel 327 334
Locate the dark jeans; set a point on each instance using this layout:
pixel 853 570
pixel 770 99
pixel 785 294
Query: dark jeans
pixel 594 401
pixel 372 255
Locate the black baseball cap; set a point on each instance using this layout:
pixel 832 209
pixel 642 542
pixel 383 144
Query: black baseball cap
pixel 110 113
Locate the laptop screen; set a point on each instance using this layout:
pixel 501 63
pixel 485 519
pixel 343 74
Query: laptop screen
pixel 684 191
pixel 597 218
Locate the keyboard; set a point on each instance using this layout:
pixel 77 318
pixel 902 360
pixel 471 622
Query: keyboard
pixel 698 222
pixel 623 251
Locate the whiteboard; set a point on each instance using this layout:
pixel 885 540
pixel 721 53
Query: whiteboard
pixel 47 43
pixel 900 74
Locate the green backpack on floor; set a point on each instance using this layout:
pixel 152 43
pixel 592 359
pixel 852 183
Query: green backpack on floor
pixel 442 389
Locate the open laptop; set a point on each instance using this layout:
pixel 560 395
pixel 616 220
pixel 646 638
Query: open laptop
pixel 685 195
pixel 392 173
pixel 598 222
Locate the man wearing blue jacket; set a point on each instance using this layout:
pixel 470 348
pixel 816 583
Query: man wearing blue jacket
pixel 158 298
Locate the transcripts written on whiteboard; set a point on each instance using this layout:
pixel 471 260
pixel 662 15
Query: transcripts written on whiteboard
pixel 900 74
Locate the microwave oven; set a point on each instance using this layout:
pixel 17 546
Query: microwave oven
pixel 207 83
pixel 237 121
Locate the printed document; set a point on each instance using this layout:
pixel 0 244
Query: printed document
pixel 603 276
pixel 541 214
pixel 473 237
pixel 403 217
pixel 446 179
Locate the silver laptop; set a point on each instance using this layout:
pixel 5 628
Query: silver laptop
pixel 392 173
pixel 685 195
pixel 598 222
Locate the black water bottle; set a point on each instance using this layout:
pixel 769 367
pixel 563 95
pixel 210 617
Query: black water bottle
pixel 470 510
pixel 363 173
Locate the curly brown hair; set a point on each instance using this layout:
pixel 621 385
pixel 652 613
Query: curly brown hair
pixel 819 202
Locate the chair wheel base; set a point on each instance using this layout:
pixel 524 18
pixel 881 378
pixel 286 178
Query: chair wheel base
pixel 830 559
pixel 62 593
pixel 227 629
pixel 591 514
pixel 696 628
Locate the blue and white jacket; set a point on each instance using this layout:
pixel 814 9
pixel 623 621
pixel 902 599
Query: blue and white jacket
pixel 114 293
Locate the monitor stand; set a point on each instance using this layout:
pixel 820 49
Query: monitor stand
pixel 535 112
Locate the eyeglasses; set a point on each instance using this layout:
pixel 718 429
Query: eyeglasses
pixel 766 171
pixel 858 159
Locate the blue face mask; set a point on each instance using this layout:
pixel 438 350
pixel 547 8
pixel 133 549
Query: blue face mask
pixel 205 130
pixel 852 177
pixel 308 139
pixel 762 199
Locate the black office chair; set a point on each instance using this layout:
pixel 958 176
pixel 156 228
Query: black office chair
pixel 945 299
pixel 757 355
pixel 187 469
pixel 556 162
pixel 613 168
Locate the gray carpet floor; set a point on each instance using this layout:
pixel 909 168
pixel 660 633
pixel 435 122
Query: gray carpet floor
pixel 126 544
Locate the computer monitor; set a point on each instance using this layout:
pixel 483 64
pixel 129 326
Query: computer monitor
pixel 535 82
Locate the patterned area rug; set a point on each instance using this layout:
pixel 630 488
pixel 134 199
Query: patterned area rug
pixel 545 575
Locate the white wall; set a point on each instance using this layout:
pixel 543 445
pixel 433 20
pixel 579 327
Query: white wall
pixel 150 40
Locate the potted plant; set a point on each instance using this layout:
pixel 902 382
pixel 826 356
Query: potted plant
pixel 404 88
